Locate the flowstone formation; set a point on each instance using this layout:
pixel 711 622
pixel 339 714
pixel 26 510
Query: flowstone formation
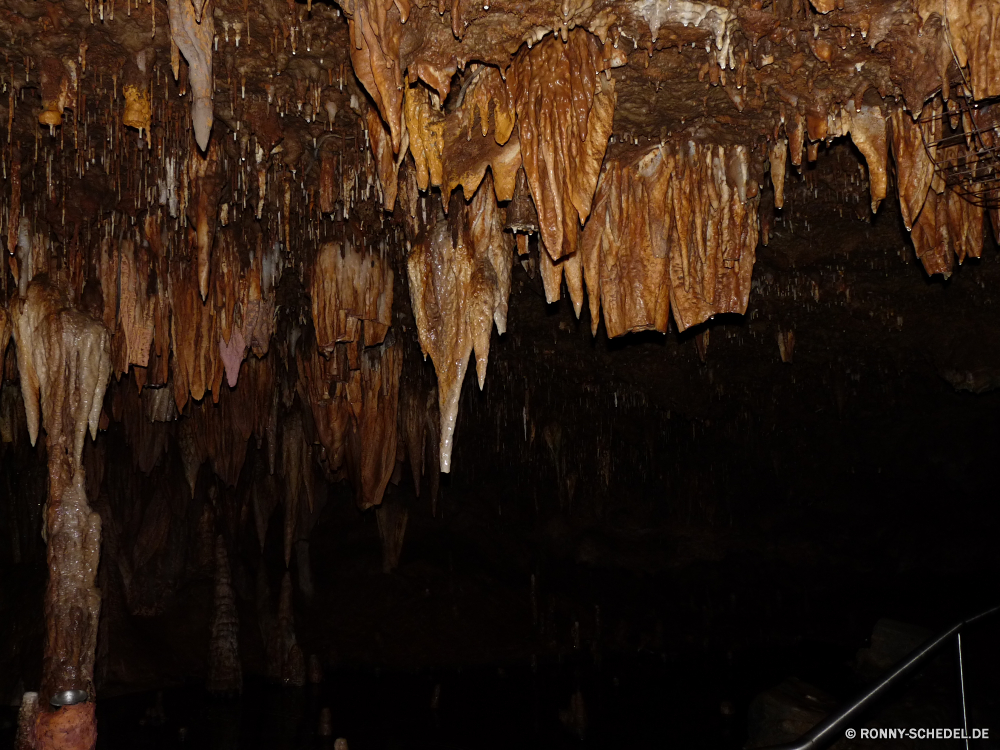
pixel 254 221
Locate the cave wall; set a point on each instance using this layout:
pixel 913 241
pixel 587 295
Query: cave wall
pixel 252 251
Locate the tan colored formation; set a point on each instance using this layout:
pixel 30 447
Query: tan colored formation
pixel 64 366
pixel 349 289
pixel 672 225
pixel 459 284
pixel 193 31
pixel 168 223
pixel 564 115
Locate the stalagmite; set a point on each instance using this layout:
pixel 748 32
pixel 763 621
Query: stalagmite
pixel 25 739
pixel 225 674
pixel 285 660
pixel 194 37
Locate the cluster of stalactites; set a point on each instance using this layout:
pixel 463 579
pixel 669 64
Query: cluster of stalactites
pixel 674 225
pixel 564 111
pixel 348 289
pixel 866 124
pixel 943 225
pixel 354 407
pixel 350 379
pixel 459 278
pixel 63 358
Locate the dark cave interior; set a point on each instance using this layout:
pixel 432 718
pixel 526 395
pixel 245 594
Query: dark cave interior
pixel 249 497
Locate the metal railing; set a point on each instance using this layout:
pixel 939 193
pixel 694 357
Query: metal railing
pixel 832 728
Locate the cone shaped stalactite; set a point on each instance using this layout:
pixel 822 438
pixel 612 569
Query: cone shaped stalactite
pixel 194 33
pixel 459 283
pixel 376 26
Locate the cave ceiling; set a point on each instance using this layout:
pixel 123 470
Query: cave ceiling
pixel 255 249
pixel 306 197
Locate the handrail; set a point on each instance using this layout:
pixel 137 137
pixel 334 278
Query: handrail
pixel 831 728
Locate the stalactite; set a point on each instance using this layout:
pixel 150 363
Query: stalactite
pixel 914 168
pixel 413 429
pixel 59 84
pixel 778 156
pixel 347 287
pixel 296 463
pixel 867 126
pixel 676 225
pixel 206 180
pixel 459 282
pixel 425 125
pixel 385 160
pixel 194 37
pixel 564 115
pixel 376 27
pixel 943 225
pixel 974 36
pixel 373 396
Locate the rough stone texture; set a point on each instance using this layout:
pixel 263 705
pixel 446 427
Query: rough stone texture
pixel 225 673
pixel 188 183
pixel 68 728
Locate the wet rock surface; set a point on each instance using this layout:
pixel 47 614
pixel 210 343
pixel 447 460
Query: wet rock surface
pixel 251 250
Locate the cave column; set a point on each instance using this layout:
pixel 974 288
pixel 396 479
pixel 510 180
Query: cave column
pixel 64 363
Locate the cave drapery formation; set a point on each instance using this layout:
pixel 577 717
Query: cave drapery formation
pixel 251 220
